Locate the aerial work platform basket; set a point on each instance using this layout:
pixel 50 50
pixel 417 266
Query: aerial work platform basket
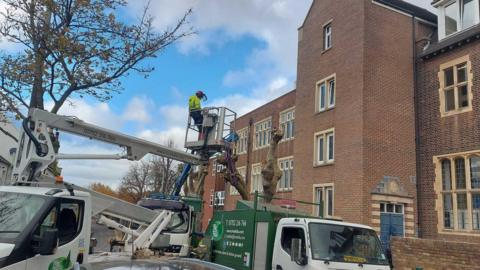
pixel 217 125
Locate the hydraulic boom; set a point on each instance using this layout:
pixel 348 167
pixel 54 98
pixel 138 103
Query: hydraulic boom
pixel 36 148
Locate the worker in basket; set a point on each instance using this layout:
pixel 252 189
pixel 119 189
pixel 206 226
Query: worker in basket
pixel 195 107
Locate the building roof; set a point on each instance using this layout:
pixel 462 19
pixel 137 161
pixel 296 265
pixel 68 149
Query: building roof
pixel 452 42
pixel 398 5
pixel 410 9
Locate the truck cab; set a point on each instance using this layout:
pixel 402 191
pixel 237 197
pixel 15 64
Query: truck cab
pixel 309 243
pixel 43 228
pixel 176 237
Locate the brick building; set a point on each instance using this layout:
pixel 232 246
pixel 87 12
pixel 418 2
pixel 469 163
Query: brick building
pixel 448 116
pixel 384 119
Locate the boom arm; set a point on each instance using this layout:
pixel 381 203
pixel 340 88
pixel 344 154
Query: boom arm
pixel 36 152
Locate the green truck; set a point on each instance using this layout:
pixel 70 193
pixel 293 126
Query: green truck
pixel 265 236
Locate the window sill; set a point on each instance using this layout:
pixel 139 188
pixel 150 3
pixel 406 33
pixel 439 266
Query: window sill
pixel 260 148
pixel 326 50
pixel 325 110
pixel 284 190
pixel 450 113
pixel 328 163
pixel 460 232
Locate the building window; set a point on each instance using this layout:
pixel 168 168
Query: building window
pixel 287 123
pixel 243 172
pixel 286 181
pixel 458 189
pixel 324 147
pixel 219 198
pixel 256 184
pixel 391 208
pixel 324 197
pixel 212 198
pixel 455 87
pixel 327 36
pixel 263 133
pixel 242 144
pixel 325 94
pixel 457 15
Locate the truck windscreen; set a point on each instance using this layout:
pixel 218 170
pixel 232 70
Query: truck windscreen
pixel 16 211
pixel 345 244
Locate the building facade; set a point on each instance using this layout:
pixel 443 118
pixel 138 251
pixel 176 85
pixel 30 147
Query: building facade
pixel 384 120
pixel 448 117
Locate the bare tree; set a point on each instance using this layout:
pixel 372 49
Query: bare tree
pixel 137 181
pixel 235 179
pixel 271 173
pixel 196 180
pixel 73 48
pixel 164 171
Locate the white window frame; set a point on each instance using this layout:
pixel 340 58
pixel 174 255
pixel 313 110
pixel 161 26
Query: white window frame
pixel 285 164
pixel 242 144
pixel 219 198
pixel 324 188
pixel 441 16
pixel 256 178
pixel 262 128
pixel 326 96
pixel 212 198
pixel 243 172
pixel 286 116
pixel 327 36
pixel 325 134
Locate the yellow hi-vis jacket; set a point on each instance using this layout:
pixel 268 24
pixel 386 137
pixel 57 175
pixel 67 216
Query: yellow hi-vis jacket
pixel 194 103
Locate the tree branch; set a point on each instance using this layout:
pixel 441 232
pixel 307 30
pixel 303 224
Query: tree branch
pixel 4 131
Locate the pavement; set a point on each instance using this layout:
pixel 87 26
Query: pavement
pixel 103 236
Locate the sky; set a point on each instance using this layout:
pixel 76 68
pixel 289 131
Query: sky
pixel 243 55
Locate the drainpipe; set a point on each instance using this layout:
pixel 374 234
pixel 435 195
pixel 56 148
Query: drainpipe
pixel 416 115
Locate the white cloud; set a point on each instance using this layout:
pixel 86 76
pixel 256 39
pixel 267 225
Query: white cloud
pixel 273 23
pixel 84 172
pixel 94 112
pixel 175 133
pixel 137 110
pixel 173 115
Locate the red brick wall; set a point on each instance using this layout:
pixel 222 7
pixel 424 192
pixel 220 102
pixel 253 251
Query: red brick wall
pixel 443 135
pixel 427 254
pixel 388 108
pixel 345 59
pixel 271 109
pixel 212 183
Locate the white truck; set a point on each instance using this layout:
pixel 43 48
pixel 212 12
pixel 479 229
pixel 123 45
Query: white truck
pixel 266 236
pixel 47 225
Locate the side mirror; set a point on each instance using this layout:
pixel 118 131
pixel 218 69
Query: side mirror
pixel 47 243
pixel 296 252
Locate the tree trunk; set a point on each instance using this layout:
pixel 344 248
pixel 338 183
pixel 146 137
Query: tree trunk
pixel 270 171
pixel 234 179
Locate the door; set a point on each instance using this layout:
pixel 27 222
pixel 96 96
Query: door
pixel 260 259
pixel 67 217
pixel 391 222
pixel 282 259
